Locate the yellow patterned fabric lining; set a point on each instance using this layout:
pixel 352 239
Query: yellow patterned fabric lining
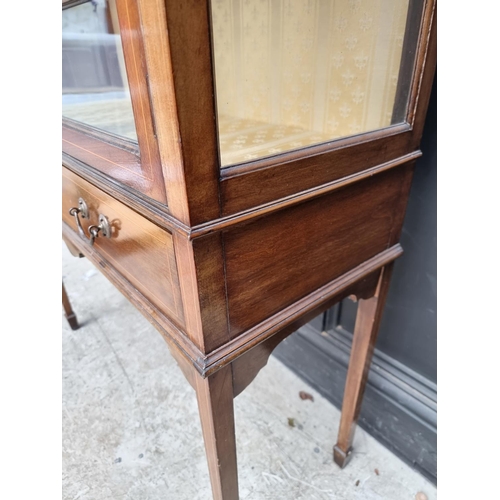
pixel 329 67
pixel 240 140
pixel 245 140
pixel 111 115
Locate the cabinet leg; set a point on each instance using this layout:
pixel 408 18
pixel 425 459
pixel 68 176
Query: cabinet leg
pixel 365 334
pixel 215 403
pixel 68 311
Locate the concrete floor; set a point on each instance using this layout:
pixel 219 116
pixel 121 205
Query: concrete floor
pixel 131 427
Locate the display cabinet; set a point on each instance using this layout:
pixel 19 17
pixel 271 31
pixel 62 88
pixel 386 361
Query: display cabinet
pixel 235 167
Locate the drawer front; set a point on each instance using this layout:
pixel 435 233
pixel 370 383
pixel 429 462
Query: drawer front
pixel 278 259
pixel 139 250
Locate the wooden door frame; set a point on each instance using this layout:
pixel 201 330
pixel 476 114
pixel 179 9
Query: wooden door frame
pixel 135 164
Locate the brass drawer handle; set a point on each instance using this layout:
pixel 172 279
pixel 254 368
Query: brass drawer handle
pixel 103 227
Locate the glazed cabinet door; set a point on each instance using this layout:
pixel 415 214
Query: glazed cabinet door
pixel 106 109
pixel 309 92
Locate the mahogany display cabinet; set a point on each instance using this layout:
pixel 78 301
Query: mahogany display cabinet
pixel 236 167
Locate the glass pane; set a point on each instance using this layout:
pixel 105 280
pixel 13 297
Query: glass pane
pixel 292 73
pixel 94 82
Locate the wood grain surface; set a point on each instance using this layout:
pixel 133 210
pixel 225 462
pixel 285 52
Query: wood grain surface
pixel 276 260
pixel 141 251
pixel 368 320
pixel 215 403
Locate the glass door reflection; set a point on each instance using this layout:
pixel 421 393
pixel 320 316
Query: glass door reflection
pixel 293 73
pixel 94 80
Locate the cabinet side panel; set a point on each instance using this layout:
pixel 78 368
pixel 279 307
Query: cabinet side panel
pixel 278 259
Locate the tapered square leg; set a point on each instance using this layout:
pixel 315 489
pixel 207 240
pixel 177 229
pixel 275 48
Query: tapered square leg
pixel 365 334
pixel 215 402
pixel 68 311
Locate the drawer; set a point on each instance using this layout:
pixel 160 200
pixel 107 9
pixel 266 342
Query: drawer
pixel 140 251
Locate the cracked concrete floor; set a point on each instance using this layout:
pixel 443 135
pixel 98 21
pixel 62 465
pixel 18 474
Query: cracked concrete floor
pixel 131 427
